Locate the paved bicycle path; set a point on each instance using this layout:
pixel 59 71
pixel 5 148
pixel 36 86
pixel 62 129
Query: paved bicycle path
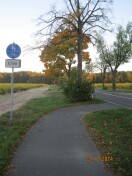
pixel 57 146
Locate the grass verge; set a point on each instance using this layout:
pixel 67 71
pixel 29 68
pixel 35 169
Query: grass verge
pixel 111 131
pixel 12 133
pixel 120 87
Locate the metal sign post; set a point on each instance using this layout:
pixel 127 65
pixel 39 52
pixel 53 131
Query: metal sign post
pixel 13 51
pixel 11 111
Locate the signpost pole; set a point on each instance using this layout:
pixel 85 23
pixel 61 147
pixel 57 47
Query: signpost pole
pixel 13 51
pixel 11 112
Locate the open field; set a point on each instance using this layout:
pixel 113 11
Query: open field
pixel 6 87
pixel 119 86
pixel 111 131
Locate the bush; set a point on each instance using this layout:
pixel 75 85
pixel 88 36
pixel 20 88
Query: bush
pixel 78 91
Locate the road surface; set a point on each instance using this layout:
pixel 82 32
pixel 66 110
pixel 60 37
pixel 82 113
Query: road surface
pixel 57 145
pixel 123 100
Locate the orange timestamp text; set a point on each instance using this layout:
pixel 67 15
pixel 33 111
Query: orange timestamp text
pixel 98 158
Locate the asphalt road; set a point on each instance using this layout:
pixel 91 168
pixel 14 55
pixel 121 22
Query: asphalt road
pixel 123 100
pixel 58 144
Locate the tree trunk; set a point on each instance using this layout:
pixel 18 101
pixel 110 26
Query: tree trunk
pixel 79 54
pixel 103 84
pixel 103 80
pixel 69 71
pixel 69 75
pixel 114 80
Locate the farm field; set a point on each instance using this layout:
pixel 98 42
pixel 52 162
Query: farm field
pixel 6 87
pixel 119 86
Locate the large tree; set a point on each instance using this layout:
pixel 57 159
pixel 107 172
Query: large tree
pixel 119 53
pixel 83 16
pixel 59 53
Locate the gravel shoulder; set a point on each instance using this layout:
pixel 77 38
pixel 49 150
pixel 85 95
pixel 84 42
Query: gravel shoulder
pixel 20 98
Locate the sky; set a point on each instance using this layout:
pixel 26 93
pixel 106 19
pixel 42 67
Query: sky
pixel 18 24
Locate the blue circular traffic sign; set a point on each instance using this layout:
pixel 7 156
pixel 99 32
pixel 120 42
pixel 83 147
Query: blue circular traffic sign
pixel 13 51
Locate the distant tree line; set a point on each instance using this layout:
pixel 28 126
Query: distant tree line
pixel 122 77
pixel 35 77
pixel 25 77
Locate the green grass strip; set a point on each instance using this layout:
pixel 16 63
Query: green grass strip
pixel 112 132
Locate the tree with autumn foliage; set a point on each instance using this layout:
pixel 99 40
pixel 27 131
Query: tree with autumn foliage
pixel 83 16
pixel 59 53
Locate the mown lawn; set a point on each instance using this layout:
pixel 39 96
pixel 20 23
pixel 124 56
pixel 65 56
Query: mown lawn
pixel 112 132
pixel 12 132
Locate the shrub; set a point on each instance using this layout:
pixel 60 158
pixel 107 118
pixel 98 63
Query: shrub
pixel 78 91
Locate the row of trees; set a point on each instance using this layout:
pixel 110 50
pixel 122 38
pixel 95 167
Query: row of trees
pixel 70 32
pixel 26 77
pixel 59 56
pixel 121 77
pixel 35 77
pixel 111 57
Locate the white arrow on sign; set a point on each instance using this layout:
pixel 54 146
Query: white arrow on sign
pixel 13 63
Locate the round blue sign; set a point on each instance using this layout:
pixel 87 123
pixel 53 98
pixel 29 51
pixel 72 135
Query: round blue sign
pixel 13 50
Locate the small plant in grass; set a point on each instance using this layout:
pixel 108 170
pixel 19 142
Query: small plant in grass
pixel 78 91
